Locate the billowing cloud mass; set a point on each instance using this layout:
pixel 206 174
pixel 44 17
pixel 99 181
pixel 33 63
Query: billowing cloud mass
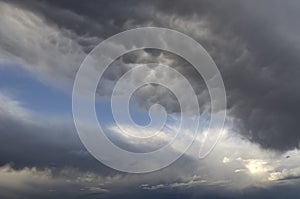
pixel 255 45
pixel 41 162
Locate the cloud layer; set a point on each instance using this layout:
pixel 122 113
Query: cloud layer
pixel 255 44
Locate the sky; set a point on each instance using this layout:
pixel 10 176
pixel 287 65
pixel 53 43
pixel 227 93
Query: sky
pixel 255 45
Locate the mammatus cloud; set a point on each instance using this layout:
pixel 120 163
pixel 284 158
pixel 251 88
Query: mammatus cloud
pixel 254 43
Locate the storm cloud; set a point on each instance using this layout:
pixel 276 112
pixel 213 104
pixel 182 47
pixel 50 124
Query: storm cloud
pixel 255 45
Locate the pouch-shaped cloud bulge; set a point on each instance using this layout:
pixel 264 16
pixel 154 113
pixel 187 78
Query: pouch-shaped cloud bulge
pixel 49 50
pixel 254 45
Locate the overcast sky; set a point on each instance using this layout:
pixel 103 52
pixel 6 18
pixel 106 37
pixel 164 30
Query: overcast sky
pixel 254 43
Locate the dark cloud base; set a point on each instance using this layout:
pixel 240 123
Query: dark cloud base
pixel 256 45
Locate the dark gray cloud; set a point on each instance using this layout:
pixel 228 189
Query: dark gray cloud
pixel 35 141
pixel 256 47
pixel 43 157
pixel 254 43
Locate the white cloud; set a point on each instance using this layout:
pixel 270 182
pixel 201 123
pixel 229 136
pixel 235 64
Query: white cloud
pixel 43 48
pixel 30 181
pixel 234 164
pixel 13 109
